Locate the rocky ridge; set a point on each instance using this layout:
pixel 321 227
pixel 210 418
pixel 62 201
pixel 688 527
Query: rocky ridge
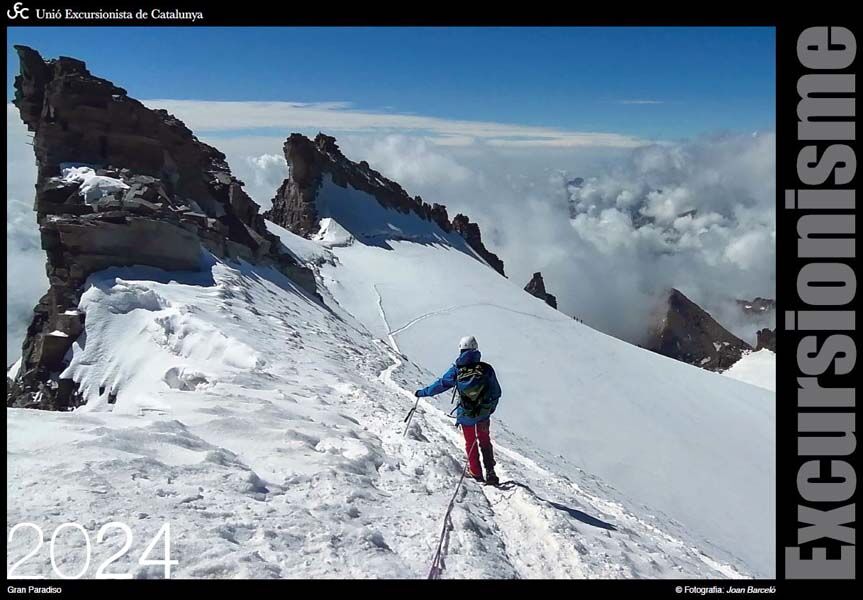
pixel 294 206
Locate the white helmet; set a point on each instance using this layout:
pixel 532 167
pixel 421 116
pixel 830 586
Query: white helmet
pixel 468 343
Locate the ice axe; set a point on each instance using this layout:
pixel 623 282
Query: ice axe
pixel 410 415
pixel 413 410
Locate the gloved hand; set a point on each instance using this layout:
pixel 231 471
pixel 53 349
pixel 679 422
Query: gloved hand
pixel 417 393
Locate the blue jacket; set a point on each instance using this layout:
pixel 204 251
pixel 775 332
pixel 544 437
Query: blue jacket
pixel 448 380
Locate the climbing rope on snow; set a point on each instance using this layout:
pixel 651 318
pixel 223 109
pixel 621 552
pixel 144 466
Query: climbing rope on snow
pixel 438 565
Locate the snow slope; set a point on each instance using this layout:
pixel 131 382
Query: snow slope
pixel 692 448
pixel 266 428
pixel 757 368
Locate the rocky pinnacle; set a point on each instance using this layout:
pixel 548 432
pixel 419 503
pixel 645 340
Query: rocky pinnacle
pixel 118 184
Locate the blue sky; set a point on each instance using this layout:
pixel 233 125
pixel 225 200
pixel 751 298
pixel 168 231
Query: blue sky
pixel 654 83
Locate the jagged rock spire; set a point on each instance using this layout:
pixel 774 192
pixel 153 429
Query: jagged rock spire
pixel 295 203
pixel 766 338
pixel 536 287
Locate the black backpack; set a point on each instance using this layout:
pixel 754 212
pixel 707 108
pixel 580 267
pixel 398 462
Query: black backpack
pixel 473 383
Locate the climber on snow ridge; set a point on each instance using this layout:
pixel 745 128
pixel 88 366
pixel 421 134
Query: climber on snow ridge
pixel 479 393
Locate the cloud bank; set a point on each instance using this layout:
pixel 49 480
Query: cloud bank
pixel 699 216
pixel 612 231
pixel 26 280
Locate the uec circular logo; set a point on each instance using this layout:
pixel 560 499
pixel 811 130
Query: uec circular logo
pixel 18 11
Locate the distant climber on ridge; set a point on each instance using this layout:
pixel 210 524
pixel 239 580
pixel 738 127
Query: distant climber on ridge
pixel 479 393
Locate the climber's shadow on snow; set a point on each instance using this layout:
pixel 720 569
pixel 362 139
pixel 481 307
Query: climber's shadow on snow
pixel 572 512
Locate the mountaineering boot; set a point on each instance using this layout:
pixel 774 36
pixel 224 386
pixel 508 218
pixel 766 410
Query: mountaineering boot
pixel 478 478
pixel 488 461
pixel 491 478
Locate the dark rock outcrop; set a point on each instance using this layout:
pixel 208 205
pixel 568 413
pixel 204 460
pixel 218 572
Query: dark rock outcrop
pixel 760 314
pixel 766 338
pixel 144 191
pixel 686 332
pixel 295 208
pixel 462 225
pixel 536 287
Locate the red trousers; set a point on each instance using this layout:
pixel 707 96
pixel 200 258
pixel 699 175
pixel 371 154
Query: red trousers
pixel 478 432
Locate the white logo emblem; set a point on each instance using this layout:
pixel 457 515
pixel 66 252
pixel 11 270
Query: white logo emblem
pixel 16 11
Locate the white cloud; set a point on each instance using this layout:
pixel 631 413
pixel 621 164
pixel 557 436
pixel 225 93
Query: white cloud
pixel 262 174
pixel 414 162
pixel 269 168
pixel 219 116
pixel 702 218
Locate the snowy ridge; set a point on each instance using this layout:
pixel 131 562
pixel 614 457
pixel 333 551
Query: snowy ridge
pixel 693 448
pixel 289 461
pixel 757 368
